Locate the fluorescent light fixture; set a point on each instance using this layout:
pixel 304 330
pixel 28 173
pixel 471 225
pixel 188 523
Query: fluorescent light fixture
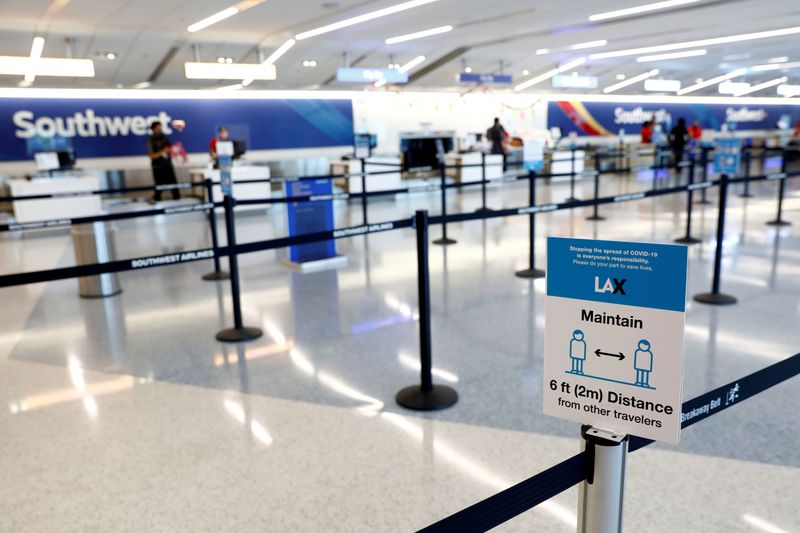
pixel 228 71
pixel 269 62
pixel 699 44
pixel 589 44
pixel 36 52
pixel 662 86
pixel 782 59
pixel 380 83
pixel 542 51
pixel 761 524
pixel 713 81
pixel 142 85
pixel 621 77
pixel 362 18
pixel 732 87
pixel 419 35
pixel 788 91
pixel 46 66
pixel 762 86
pixel 213 19
pixel 639 9
pixel 674 55
pixel 566 67
pixel 775 66
pixel 631 81
pixel 411 64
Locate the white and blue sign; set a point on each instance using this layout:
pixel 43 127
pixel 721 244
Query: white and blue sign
pixel 370 75
pixel 468 77
pixel 225 160
pixel 614 335
pixel 727 156
pixel 310 217
pixel 119 127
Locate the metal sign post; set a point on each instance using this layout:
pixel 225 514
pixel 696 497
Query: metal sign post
pixel 601 496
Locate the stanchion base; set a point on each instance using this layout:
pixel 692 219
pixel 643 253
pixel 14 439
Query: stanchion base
pixel 484 210
pixel 216 276
pixel 779 223
pixel 598 217
pixel 571 199
pixel 747 195
pixel 703 202
pixel 440 397
pixel 688 240
pixel 445 241
pixel 715 298
pixel 238 334
pixel 530 273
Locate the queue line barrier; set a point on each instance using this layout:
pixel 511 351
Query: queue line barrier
pixel 526 495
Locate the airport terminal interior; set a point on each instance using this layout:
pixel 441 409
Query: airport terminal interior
pixel 389 265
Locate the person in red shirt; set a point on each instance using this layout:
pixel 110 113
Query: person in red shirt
pixel 222 135
pixel 695 131
pixel 647 132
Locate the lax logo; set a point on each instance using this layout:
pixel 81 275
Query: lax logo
pixel 612 285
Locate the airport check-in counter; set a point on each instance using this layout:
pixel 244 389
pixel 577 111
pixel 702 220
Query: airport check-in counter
pixel 560 162
pixel 467 173
pixel 241 191
pixel 68 206
pixel 385 181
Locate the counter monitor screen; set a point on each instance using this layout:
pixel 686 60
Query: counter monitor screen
pixel 423 152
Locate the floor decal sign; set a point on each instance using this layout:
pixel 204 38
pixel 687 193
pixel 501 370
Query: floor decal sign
pixel 614 328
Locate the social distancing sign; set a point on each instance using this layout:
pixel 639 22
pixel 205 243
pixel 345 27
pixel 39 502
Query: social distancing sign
pixel 614 326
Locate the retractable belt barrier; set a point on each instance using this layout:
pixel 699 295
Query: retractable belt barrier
pixel 523 496
pixel 145 188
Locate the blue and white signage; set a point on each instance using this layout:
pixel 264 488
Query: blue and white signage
pixel 614 323
pixel 310 217
pixel 118 127
pixel 370 75
pixel 727 156
pixel 225 159
pixel 467 77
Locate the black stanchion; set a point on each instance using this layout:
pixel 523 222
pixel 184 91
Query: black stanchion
pixel 746 162
pixel 218 273
pixel 715 297
pixel 364 190
pixel 483 208
pixel 688 239
pixel 704 162
pixel 572 177
pixel 531 272
pixel 781 187
pixel 444 240
pixel 657 162
pixel 426 396
pixel 595 215
pixel 238 332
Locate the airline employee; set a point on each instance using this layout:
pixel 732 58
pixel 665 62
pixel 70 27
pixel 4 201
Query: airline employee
pixel 222 135
pixel 158 148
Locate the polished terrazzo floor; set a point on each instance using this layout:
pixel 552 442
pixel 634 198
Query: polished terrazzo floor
pixel 124 414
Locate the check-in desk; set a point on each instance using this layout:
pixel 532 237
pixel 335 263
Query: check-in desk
pixel 70 203
pixel 560 162
pixel 242 191
pixel 468 173
pixel 389 179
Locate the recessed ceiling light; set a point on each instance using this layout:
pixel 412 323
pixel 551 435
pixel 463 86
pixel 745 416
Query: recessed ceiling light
pixel 639 9
pixel 468 70
pixel 526 72
pixel 542 51
pixel 699 43
pixel 309 63
pixel 110 55
pixel 362 18
pixel 620 77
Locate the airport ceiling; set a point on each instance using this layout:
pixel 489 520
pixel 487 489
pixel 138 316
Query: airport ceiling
pixel 150 41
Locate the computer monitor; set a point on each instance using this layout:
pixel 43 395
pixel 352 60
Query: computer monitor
pixel 239 148
pixel 423 152
pixel 52 160
pixel 66 159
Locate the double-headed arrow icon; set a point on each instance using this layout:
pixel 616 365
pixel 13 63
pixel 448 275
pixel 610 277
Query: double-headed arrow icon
pixel 619 355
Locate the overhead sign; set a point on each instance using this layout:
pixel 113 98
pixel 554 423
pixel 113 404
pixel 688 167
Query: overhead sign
pixel 370 75
pixel 468 77
pixel 727 156
pixel 613 347
pixel 110 127
pixel 606 118
pixel 574 82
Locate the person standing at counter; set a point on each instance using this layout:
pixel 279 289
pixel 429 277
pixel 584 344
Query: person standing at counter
pixel 497 136
pixel 158 148
pixel 222 135
pixel 678 138
pixel 647 132
pixel 695 131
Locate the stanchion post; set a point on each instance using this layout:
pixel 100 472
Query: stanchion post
pixel 715 297
pixel 781 189
pixel 595 215
pixel 483 208
pixel 218 273
pixel 364 190
pixel 238 332
pixel 444 240
pixel 601 496
pixel 572 177
pixel 688 239
pixel 426 396
pixel 746 155
pixel 704 162
pixel 531 272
